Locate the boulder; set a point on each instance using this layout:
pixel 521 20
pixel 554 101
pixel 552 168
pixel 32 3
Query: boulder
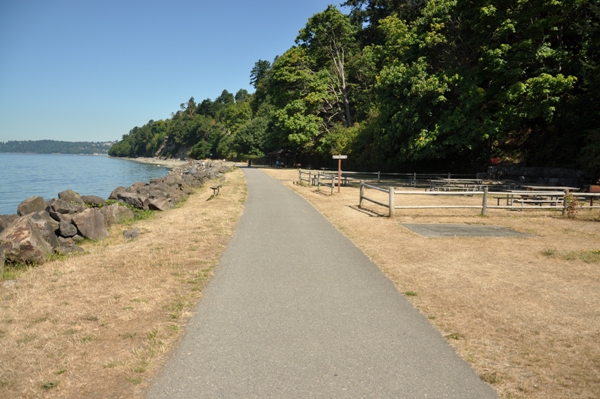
pixel 173 179
pixel 65 241
pixel 93 200
pixel 65 249
pixel 23 242
pixel 30 205
pixel 160 204
pixel 141 190
pixel 164 188
pixel 45 228
pixel 71 197
pixel 67 229
pixel 116 191
pixel 53 223
pixel 186 188
pixel 77 238
pixel 57 207
pixel 6 220
pixel 138 187
pixel 90 224
pixel 135 200
pixel 157 193
pixel 116 213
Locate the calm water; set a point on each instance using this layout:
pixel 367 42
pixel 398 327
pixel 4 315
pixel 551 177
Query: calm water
pixel 25 175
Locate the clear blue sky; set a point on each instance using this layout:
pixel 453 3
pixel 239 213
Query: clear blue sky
pixel 92 70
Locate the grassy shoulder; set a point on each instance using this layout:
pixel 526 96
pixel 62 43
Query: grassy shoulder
pixel 522 311
pixel 100 324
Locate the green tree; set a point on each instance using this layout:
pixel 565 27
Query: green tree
pixel 329 39
pixel 259 71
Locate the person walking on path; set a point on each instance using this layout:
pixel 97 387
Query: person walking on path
pixel 295 310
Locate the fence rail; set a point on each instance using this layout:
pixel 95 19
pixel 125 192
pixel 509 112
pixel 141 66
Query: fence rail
pixel 410 179
pixel 557 201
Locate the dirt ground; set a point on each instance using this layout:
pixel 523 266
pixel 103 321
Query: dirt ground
pixel 524 312
pixel 99 325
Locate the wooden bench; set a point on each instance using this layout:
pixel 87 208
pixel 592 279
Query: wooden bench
pixel 216 189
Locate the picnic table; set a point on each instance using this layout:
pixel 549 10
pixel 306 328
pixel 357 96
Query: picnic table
pixel 550 188
pixel 512 197
pixel 455 184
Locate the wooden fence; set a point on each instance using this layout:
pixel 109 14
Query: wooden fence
pixel 541 199
pixel 409 179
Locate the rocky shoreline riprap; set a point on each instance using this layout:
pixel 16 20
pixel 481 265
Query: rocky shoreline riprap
pixel 41 228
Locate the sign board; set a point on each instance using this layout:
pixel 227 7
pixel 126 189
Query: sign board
pixel 340 157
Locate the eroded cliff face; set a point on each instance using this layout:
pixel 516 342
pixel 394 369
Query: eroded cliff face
pixel 170 149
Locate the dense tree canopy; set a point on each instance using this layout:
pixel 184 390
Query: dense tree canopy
pixel 412 82
pixel 54 147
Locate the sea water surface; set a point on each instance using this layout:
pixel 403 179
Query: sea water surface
pixel 25 175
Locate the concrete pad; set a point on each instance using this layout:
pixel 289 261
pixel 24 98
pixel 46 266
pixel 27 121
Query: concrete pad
pixel 462 230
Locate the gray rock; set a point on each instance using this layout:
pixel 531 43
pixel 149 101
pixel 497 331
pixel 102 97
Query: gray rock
pixel 23 242
pixel 53 223
pixel 173 179
pixel 57 207
pixel 135 200
pixel 142 190
pixel 90 223
pixel 160 204
pixel 165 188
pixel 30 205
pixel 67 229
pixel 186 188
pixel 116 192
pixel 157 193
pixel 65 249
pixel 77 238
pixel 1 262
pixel 93 200
pixel 6 220
pixel 71 197
pixel 131 234
pixel 65 241
pixel 45 228
pixel 116 213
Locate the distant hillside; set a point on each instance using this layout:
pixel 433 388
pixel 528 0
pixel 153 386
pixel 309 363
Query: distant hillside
pixel 55 147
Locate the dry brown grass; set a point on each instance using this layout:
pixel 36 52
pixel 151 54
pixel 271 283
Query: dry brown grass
pixel 525 312
pixel 98 325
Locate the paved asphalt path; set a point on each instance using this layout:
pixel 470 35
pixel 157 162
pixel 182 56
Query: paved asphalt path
pixel 295 310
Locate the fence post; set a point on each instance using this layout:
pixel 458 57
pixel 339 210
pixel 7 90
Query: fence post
pixel 332 183
pixel 449 175
pixel 299 175
pixel 484 205
pixel 362 191
pixel 391 201
pixel 414 182
pixel 565 205
pixel 378 176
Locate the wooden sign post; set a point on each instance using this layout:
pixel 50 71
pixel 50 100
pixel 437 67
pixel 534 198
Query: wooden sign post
pixel 339 158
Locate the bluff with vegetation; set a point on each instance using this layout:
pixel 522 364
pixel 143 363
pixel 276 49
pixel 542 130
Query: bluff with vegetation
pixel 54 147
pixel 411 83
